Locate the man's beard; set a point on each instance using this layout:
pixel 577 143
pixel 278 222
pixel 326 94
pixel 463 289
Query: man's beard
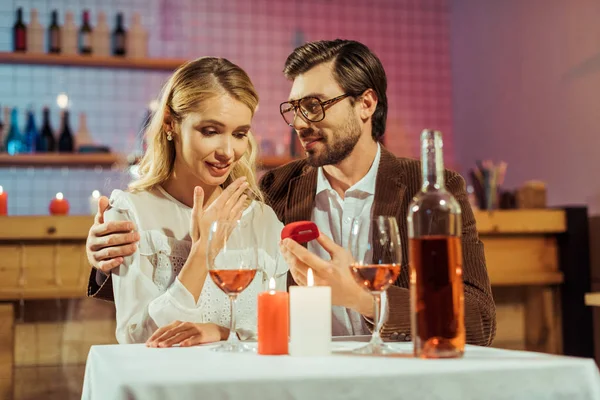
pixel 337 147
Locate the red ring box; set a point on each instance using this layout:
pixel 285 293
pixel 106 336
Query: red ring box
pixel 301 231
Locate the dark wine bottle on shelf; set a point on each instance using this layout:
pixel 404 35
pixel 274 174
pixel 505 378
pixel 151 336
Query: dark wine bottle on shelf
pixel 119 37
pixel 85 35
pixel 66 142
pixel 45 141
pixel 54 44
pixel 19 33
pixel 31 133
pixel 2 133
pixel 14 140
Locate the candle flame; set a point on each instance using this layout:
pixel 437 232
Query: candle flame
pixel 96 194
pixel 59 196
pixel 272 284
pixel 1 190
pixel 310 279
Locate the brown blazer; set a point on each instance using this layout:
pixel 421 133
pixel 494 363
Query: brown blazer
pixel 290 190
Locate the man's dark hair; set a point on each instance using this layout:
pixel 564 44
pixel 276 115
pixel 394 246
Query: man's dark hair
pixel 355 69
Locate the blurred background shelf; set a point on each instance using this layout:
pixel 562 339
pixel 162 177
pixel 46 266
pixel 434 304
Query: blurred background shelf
pixel 75 60
pixel 98 159
pixel 61 160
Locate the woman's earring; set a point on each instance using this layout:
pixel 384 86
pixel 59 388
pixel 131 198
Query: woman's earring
pixel 169 136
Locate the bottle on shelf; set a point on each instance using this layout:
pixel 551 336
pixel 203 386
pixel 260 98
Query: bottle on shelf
pixel 14 140
pixel 31 133
pixel 69 35
pixel 19 33
pixel 101 36
pixel 137 38
pixel 85 34
pixel 435 249
pixel 65 140
pixel 35 34
pixel 54 35
pixel 119 37
pixel 83 137
pixel 5 128
pixel 46 143
pixel 1 135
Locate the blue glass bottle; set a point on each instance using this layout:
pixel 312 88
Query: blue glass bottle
pixel 31 133
pixel 14 140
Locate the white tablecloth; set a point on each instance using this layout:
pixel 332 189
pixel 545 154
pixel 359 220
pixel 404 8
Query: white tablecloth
pixel 136 372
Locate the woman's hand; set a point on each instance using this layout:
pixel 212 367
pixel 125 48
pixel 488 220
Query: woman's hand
pixel 228 206
pixel 187 334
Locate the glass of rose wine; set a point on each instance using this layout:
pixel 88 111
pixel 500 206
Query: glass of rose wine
pixel 232 265
pixel 377 257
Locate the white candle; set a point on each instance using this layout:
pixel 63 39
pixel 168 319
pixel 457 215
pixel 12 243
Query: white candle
pixel 94 202
pixel 310 319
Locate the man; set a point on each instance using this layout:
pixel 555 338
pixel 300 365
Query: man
pixel 338 107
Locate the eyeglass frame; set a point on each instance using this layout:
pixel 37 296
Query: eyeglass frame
pixel 324 104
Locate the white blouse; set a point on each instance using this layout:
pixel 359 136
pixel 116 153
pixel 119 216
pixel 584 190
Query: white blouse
pixel 146 289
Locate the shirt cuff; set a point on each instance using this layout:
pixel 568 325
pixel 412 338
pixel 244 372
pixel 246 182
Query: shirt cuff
pixel 182 297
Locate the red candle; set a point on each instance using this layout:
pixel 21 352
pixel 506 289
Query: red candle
pixel 59 205
pixel 3 202
pixel 273 321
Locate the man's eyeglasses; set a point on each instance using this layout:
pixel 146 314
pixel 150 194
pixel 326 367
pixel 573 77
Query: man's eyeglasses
pixel 311 108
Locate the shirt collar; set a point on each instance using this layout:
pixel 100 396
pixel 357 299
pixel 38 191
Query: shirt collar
pixel 365 185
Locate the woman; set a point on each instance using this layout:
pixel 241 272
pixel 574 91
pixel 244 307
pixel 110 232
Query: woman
pixel 199 167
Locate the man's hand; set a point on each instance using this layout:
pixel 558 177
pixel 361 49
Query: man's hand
pixel 335 273
pixel 108 243
pixel 187 334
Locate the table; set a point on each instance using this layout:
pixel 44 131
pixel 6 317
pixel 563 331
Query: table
pixel 592 299
pixel 136 372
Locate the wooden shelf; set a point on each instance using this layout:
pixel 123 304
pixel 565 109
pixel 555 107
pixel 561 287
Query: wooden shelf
pixel 76 60
pixel 592 299
pixel 95 159
pixel 274 161
pixel 544 221
pixel 61 160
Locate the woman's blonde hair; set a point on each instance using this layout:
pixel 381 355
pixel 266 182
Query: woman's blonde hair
pixel 192 84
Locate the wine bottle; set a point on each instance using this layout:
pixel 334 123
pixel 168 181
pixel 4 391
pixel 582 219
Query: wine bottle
pixel 101 36
pixel 45 140
pixel 1 135
pixel 83 137
pixel 31 133
pixel 85 35
pixel 65 140
pixel 69 35
pixel 35 34
pixel 19 33
pixel 434 230
pixel 5 129
pixel 14 140
pixel 119 37
pixel 137 38
pixel 54 35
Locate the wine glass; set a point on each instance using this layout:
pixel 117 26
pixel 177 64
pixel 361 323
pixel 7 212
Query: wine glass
pixel 377 254
pixel 232 265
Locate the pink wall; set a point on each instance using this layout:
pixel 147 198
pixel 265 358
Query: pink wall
pixel 526 89
pixel 410 36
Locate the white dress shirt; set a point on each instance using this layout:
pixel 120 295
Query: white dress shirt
pixel 147 291
pixel 333 216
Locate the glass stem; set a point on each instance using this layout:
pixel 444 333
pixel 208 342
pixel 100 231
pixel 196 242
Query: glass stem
pixel 376 337
pixel 233 338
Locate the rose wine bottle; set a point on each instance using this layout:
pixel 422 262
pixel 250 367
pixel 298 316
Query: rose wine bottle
pixel 436 283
